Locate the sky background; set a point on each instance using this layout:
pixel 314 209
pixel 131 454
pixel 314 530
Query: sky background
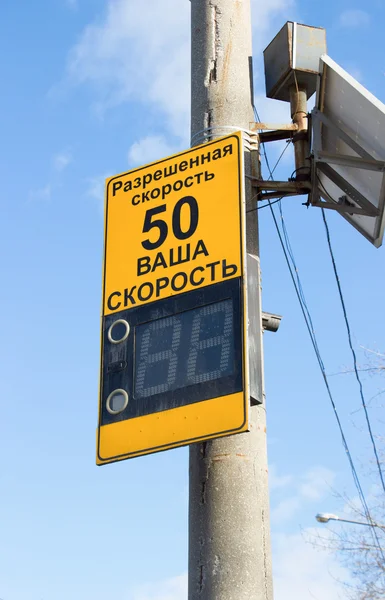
pixel 91 88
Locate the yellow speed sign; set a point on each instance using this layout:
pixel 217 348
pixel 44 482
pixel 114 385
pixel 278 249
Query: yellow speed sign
pixel 174 226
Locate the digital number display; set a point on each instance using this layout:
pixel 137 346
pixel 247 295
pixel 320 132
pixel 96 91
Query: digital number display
pixel 173 352
pixel 196 346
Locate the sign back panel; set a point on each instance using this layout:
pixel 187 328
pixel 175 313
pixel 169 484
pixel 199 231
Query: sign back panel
pixel 174 366
pixel 349 149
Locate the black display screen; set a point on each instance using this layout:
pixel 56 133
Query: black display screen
pixel 173 352
pixel 185 349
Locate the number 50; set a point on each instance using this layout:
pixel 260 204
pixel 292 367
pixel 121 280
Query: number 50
pixel 162 227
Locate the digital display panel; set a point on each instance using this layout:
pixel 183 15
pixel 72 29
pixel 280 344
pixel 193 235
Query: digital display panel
pixel 193 347
pixel 172 353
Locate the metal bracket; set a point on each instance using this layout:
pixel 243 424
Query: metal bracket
pixel 351 201
pixel 269 126
pixel 319 117
pixel 345 205
pixel 275 136
pixel 250 140
pixel 349 161
pixel 278 189
pixel 269 132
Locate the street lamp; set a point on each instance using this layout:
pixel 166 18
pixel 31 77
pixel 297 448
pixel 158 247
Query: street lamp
pixel 326 517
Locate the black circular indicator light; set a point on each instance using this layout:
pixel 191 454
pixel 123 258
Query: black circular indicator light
pixel 117 402
pixel 118 331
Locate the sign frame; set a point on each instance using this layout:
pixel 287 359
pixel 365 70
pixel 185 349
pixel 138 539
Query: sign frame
pixel 114 436
pixel 348 168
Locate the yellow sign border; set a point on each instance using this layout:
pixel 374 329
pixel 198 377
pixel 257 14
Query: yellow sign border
pixel 137 428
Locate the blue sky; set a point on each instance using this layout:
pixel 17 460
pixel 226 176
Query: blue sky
pixel 90 89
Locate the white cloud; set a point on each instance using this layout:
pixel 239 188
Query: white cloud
pixel 300 568
pixel 262 13
pixel 285 509
pixel 277 111
pixel 316 483
pixel 313 485
pixel 300 571
pixel 278 481
pixel 354 18
pixel 141 55
pixel 95 190
pixel 148 149
pixel 267 18
pixel 144 55
pixel 43 194
pixel 170 589
pixel 305 572
pixel 62 160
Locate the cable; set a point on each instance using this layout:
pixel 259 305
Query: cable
pixel 355 366
pixel 299 291
pixel 271 175
pixel 270 170
pixel 309 324
pixel 263 144
pixel 269 203
pixel 325 190
pixel 299 284
pixel 296 171
pixel 305 312
pixel 280 157
pixel 259 208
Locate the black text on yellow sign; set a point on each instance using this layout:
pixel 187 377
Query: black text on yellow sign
pixel 174 344
pixel 173 226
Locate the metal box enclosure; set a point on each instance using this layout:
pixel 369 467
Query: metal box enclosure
pixel 293 54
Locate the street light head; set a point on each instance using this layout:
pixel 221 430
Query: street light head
pixel 326 517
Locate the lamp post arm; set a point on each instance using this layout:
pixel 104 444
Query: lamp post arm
pixel 335 518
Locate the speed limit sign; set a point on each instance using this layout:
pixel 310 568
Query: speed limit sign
pixel 174 347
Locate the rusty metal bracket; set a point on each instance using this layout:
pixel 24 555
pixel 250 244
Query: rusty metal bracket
pixel 276 189
pixel 265 196
pixel 269 132
pixel 342 208
pixel 270 127
pixel 275 136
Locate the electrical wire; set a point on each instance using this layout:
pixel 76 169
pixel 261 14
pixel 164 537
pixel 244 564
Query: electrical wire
pixel 324 189
pixel 355 366
pixel 263 143
pixel 271 175
pixel 280 157
pixel 309 324
pixel 269 203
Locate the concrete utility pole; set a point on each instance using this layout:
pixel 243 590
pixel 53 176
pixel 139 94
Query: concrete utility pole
pixel 229 532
